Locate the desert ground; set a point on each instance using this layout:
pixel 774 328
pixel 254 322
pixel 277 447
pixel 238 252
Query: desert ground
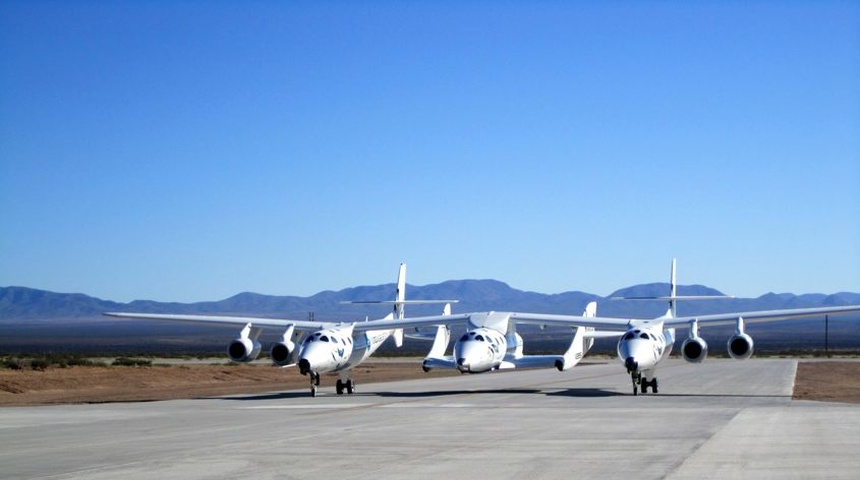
pixel 822 380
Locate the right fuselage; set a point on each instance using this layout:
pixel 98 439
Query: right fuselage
pixel 642 347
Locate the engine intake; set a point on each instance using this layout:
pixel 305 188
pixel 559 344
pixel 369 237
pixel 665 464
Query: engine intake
pixel 243 350
pixel 282 354
pixel 694 349
pixel 740 346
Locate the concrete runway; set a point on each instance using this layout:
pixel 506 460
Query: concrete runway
pixel 720 419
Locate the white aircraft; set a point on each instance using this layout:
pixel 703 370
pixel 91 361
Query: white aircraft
pixel 317 347
pixel 491 341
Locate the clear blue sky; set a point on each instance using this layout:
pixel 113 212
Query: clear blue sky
pixel 189 151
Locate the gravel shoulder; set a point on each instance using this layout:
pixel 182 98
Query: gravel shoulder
pixel 831 381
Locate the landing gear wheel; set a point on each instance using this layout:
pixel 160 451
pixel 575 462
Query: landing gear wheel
pixel 636 378
pixel 654 385
pixel 635 391
pixel 350 386
pixel 315 381
pixel 339 387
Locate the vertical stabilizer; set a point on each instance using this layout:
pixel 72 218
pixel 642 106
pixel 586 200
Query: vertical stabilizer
pixel 590 310
pixel 399 304
pixel 673 294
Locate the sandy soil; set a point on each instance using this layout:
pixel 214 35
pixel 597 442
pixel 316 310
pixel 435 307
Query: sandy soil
pixel 834 381
pixel 828 381
pixel 127 384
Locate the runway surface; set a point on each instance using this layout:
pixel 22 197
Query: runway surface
pixel 720 419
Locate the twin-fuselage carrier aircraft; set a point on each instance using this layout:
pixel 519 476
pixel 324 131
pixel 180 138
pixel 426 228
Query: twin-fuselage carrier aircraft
pixel 316 347
pixel 491 341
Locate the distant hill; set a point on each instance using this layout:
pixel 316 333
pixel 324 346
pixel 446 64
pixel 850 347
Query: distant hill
pixel 21 303
pixel 37 320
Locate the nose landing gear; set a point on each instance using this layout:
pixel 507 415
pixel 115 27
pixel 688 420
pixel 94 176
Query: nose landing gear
pixel 315 381
pixel 638 380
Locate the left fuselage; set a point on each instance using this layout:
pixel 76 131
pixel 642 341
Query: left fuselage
pixel 335 349
pixel 326 350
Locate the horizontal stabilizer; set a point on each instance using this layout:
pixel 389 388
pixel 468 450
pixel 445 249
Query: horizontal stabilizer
pixel 677 297
pixel 533 361
pixel 398 302
pixel 602 334
pixel 438 362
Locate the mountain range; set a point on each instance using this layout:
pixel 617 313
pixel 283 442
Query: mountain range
pixel 34 320
pixel 21 303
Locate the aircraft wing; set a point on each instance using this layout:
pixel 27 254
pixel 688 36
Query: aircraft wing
pixel 730 318
pixel 760 316
pixel 414 322
pixel 226 321
pixel 608 325
pixel 302 325
pixel 604 324
pixel 572 321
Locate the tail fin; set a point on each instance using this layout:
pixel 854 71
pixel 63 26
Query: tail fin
pixel 400 295
pixel 399 304
pixel 590 310
pixel 673 295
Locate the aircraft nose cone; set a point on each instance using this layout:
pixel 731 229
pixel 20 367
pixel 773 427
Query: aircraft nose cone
pixel 462 365
pixel 304 366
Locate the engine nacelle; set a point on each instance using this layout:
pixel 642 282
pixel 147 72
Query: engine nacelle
pixel 740 346
pixel 694 349
pixel 243 350
pixel 283 353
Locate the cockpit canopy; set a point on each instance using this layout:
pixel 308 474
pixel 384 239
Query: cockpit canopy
pixel 472 336
pixel 479 336
pixel 322 337
pixel 639 334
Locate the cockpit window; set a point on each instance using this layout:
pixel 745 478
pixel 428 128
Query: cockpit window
pixel 464 337
pixel 324 338
pixel 479 338
pixel 629 336
pixel 643 335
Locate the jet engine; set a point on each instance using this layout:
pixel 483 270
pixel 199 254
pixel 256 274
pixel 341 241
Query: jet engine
pixel 694 349
pixel 740 346
pixel 243 350
pixel 283 353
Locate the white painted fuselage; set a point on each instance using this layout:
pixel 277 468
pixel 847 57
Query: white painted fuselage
pixel 326 350
pixel 644 345
pixel 480 350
